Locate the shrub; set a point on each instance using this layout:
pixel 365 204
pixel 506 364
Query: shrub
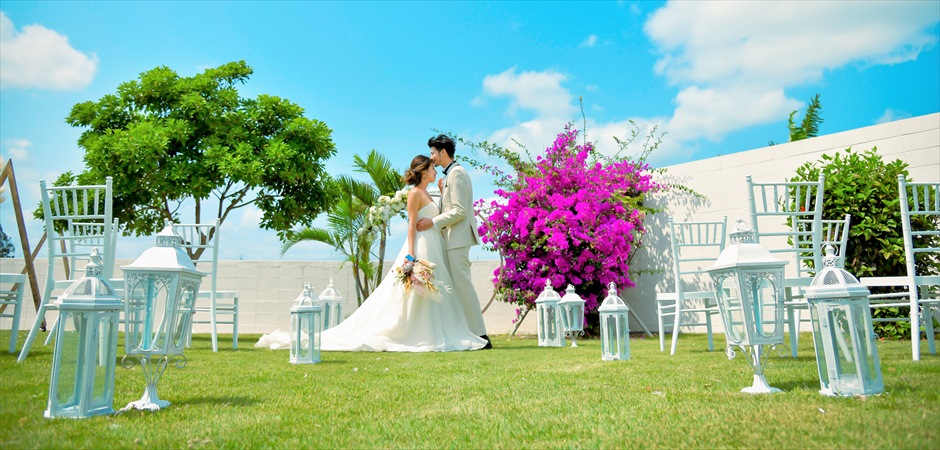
pixel 863 185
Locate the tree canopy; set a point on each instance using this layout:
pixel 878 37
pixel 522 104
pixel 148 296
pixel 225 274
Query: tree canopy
pixel 171 142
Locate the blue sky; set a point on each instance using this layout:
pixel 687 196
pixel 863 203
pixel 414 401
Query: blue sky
pixel 718 77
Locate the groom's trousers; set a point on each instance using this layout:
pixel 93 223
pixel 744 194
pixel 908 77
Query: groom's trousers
pixel 458 262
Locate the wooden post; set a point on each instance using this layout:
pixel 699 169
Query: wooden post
pixel 7 175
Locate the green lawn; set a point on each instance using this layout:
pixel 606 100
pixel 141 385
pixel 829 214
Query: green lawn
pixel 514 396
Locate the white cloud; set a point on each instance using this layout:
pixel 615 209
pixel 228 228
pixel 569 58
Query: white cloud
pixel 590 41
pixel 37 57
pixel 17 150
pixel 540 92
pixel 734 60
pixel 890 115
pixel 251 217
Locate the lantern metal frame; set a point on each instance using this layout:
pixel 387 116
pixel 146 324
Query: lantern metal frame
pixel 162 281
pixel 751 303
pixel 847 358
pixel 615 326
pixel 92 307
pixel 572 313
pixel 306 324
pixel 550 328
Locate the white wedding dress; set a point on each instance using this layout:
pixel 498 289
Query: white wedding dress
pixel 393 320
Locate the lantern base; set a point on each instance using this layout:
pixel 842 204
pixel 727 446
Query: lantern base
pixel 760 386
pixel 75 412
pixel 149 402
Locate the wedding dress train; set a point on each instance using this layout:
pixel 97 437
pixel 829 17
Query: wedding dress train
pixel 394 320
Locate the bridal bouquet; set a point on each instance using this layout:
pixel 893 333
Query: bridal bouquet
pixel 418 276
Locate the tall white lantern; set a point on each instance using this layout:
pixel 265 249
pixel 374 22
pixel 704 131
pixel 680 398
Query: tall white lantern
pixel 306 323
pixel 615 328
pixel 551 332
pixel 332 303
pixel 160 289
pixel 748 279
pixel 572 314
pixel 846 354
pixel 83 363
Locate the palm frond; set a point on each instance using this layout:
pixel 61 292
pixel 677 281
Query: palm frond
pixel 310 234
pixel 379 168
pixel 812 118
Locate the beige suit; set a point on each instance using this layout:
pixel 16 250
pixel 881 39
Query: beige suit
pixel 458 225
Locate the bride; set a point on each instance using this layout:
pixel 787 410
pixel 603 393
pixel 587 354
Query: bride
pixel 400 318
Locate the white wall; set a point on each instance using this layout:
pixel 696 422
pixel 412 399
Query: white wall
pixel 268 287
pixel 915 141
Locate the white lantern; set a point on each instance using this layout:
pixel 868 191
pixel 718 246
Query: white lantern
pixel 332 306
pixel 160 289
pixel 572 313
pixel 615 329
pixel 846 354
pixel 83 362
pixel 305 326
pixel 748 279
pixel 551 333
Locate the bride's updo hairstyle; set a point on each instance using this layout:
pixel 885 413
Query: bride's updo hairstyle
pixel 419 165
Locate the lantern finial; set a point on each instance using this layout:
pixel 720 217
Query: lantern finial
pixel 611 288
pixel 830 259
pixel 93 269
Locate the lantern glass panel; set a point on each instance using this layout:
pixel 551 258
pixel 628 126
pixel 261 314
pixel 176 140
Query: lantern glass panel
pixel 149 295
pixel 820 346
pixel 842 338
pixel 551 332
pixel 765 294
pixel 188 299
pixel 305 348
pixel 734 308
pixel 101 397
pixel 70 340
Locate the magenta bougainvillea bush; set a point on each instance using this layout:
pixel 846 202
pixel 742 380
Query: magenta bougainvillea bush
pixel 576 219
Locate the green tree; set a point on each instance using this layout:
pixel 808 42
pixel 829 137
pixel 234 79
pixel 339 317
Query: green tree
pixel 865 186
pixel 809 126
pixel 172 142
pixel 347 216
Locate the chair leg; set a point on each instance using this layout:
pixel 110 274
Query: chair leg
pixel 915 326
pixel 32 333
pixel 708 326
pixel 792 323
pixel 235 325
pixel 662 335
pixel 927 314
pixel 51 332
pixel 675 328
pixel 15 326
pixel 215 329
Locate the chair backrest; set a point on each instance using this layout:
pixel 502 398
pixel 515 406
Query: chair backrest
pixel 204 236
pixel 920 222
pixel 79 219
pixel 834 233
pixel 787 219
pixel 695 247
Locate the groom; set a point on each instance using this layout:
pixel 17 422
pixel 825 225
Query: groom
pixel 459 228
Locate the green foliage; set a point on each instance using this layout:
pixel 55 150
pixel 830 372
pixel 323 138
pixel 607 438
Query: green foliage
pixel 516 396
pixel 809 126
pixel 171 141
pixel 863 185
pixel 347 215
pixel 6 245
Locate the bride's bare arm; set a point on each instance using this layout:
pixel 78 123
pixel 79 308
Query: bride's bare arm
pixel 413 205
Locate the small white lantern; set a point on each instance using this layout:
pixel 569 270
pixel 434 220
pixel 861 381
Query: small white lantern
pixel 332 306
pixel 748 279
pixel 846 354
pixel 572 313
pixel 305 326
pixel 551 333
pixel 160 289
pixel 83 362
pixel 615 329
